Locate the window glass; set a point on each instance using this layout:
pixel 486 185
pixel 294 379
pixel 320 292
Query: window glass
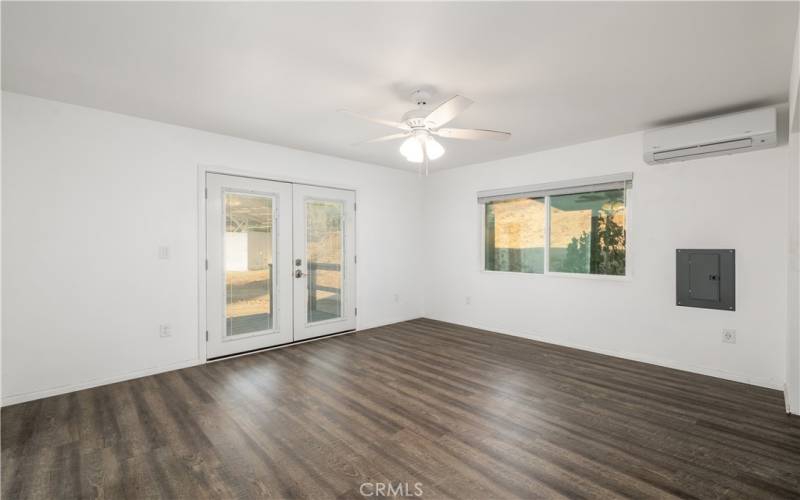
pixel 587 233
pixel 514 232
pixel 248 263
pixel 324 242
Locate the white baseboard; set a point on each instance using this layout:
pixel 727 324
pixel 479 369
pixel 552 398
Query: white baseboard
pixel 712 372
pixel 376 324
pixel 55 391
pixel 787 399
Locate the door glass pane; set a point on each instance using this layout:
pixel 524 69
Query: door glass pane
pixel 587 232
pixel 324 252
pixel 514 235
pixel 248 263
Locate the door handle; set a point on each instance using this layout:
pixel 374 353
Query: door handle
pixel 299 273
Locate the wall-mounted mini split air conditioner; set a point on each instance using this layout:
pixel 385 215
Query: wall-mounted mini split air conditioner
pixel 721 135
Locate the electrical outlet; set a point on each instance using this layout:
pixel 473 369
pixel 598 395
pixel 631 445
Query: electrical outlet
pixel 729 336
pixel 165 331
pixel 468 300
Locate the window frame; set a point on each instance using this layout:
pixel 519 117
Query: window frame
pixel 558 274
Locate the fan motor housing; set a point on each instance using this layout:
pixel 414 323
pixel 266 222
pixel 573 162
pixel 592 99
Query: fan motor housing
pixel 415 118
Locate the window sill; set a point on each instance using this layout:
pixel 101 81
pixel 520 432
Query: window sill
pixel 601 277
pixel 605 277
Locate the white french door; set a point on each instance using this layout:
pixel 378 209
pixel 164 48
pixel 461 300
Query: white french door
pixel 249 252
pixel 280 263
pixel 324 266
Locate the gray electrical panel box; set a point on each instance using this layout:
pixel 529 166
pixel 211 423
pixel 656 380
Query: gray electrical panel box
pixel 706 278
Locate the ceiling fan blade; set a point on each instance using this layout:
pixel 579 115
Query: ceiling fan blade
pixel 447 111
pixel 384 138
pixel 472 134
pixel 388 123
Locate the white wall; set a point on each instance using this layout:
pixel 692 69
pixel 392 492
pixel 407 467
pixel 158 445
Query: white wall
pixel 89 196
pixel 737 201
pixel 794 82
pixel 793 295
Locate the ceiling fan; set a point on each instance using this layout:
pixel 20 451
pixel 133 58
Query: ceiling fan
pixel 420 126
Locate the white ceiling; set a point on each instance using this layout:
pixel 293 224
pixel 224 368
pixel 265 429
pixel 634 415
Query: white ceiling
pixel 550 73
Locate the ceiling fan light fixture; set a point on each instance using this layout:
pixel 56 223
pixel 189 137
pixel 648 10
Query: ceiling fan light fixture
pixel 412 150
pixel 433 148
pixel 419 126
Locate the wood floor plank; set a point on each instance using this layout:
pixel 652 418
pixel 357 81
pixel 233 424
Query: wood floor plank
pixel 460 412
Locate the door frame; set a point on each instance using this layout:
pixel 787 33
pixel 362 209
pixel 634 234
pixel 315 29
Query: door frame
pixel 202 253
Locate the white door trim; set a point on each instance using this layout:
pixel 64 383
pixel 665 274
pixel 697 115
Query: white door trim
pixel 202 170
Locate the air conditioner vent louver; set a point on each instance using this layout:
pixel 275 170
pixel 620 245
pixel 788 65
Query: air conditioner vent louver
pixel 728 134
pixel 716 147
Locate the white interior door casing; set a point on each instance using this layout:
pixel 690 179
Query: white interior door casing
pixel 325 261
pixel 249 264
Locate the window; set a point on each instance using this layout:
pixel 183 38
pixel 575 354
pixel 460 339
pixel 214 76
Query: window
pixel 515 235
pixel 587 233
pixel 576 227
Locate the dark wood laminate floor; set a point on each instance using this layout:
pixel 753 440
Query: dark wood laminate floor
pixel 466 413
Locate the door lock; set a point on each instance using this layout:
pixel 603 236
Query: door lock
pixel 299 273
pixel 298 262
